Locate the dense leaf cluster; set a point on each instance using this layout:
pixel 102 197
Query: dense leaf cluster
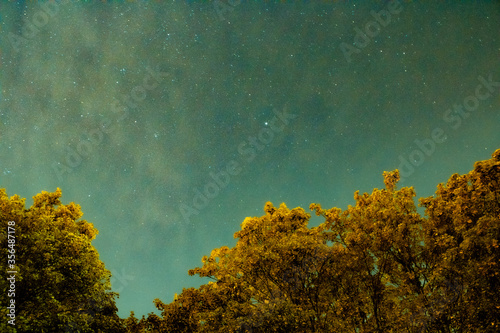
pixel 60 285
pixel 378 266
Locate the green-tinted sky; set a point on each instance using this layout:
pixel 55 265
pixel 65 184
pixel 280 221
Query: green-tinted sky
pixel 132 108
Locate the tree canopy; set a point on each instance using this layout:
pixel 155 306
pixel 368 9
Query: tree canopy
pixel 378 266
pixel 60 285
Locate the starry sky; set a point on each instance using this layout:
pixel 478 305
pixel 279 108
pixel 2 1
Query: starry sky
pixel 169 123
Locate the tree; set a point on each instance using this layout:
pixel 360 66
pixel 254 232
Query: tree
pixel 377 266
pixel 60 284
pixel 268 282
pixel 462 235
pixel 380 240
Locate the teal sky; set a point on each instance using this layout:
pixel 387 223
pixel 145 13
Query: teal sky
pixel 169 123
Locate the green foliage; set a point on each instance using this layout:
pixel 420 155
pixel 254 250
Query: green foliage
pixel 61 285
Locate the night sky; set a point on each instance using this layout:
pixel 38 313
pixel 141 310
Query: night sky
pixel 169 123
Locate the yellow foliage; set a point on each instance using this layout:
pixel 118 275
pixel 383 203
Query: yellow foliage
pixel 377 266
